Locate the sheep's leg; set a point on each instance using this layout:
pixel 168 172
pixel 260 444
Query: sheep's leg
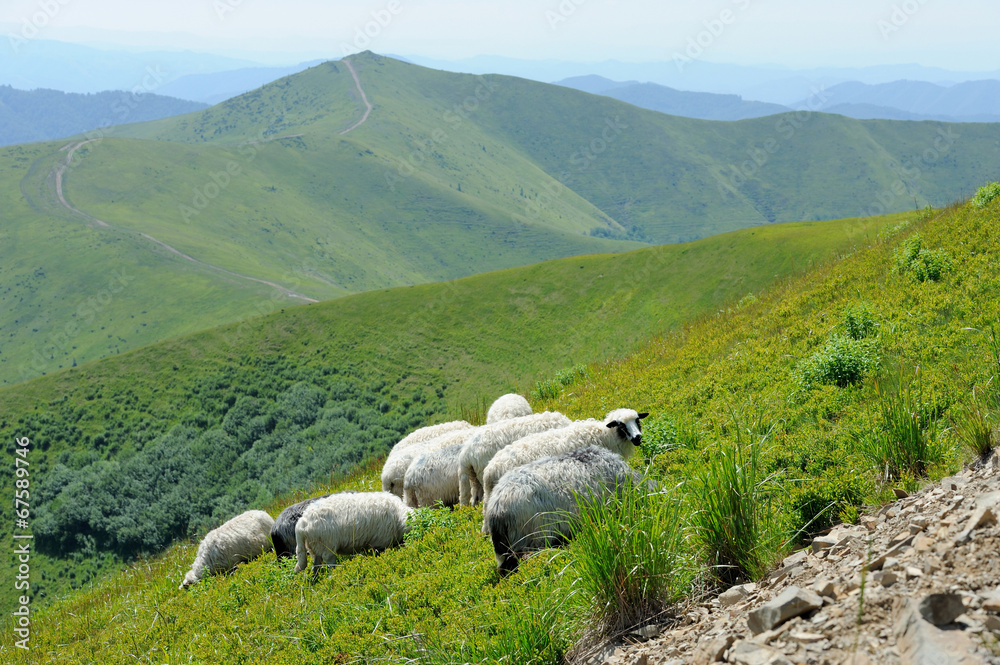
pixel 477 489
pixel 301 554
pixel 464 490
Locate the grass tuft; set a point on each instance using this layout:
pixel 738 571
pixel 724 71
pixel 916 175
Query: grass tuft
pixel 629 553
pixel 902 445
pixel 737 521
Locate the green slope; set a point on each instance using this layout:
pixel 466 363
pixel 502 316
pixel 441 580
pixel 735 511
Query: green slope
pixel 724 376
pixel 450 175
pixel 240 413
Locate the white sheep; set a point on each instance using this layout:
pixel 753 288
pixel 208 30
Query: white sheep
pixel 533 506
pixel 242 538
pixel 490 439
pixel 428 433
pixel 506 407
pixel 283 531
pixel 396 465
pixel 433 477
pixel 418 443
pixel 348 523
pixel 620 432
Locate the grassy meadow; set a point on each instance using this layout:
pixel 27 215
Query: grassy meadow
pixel 798 380
pixel 326 386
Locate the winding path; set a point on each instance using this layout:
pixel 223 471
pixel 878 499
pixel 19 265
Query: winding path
pixel 364 98
pixel 60 170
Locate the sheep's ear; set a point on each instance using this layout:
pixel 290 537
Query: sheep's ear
pixel 613 424
pixel 643 415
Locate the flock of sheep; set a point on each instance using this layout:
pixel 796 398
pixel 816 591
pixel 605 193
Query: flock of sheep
pixel 527 469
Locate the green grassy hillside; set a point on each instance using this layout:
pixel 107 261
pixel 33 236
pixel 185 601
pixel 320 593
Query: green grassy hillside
pixel 325 386
pixel 450 175
pixel 920 293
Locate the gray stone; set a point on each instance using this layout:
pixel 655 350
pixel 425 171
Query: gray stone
pixel 711 650
pixel 824 543
pixel 991 601
pixel 824 588
pixel 992 623
pixel 732 596
pixel 941 608
pixel 987 509
pixel 921 643
pixel 748 653
pixel 791 602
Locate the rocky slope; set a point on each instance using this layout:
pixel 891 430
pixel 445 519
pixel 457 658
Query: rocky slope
pixel 917 582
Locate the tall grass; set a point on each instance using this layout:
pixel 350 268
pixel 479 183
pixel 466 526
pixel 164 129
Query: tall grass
pixel 630 557
pixel 737 516
pixel 902 445
pixel 973 424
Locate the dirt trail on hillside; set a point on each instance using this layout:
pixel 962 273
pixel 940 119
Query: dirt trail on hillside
pixel 364 98
pixel 60 171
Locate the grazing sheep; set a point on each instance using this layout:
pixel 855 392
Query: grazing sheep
pixel 620 433
pixel 413 446
pixel 532 506
pixel 348 523
pixel 394 469
pixel 283 531
pixel 240 539
pixel 481 448
pixel 430 432
pixel 433 477
pixel 506 407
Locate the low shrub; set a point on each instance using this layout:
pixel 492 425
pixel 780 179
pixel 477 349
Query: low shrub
pixel 986 194
pixel 842 361
pixel 924 265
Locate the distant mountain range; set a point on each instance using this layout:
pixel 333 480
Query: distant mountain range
pixel 42 115
pixel 219 86
pixel 703 105
pixel 773 84
pixel 971 101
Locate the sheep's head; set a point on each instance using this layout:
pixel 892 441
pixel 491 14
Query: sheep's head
pixel 628 424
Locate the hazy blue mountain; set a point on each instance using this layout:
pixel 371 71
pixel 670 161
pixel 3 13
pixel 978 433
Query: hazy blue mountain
pixel 220 86
pixel 41 63
pixel 970 101
pixel 41 115
pixel 594 84
pixel 703 105
pixel 774 84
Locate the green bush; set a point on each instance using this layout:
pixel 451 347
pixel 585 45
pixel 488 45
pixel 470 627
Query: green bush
pixel 986 194
pixel 974 426
pixel 859 322
pixel 822 503
pixel 423 521
pixel 842 361
pixel 922 264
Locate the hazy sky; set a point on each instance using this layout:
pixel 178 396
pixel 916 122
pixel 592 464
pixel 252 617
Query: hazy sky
pixel 957 34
